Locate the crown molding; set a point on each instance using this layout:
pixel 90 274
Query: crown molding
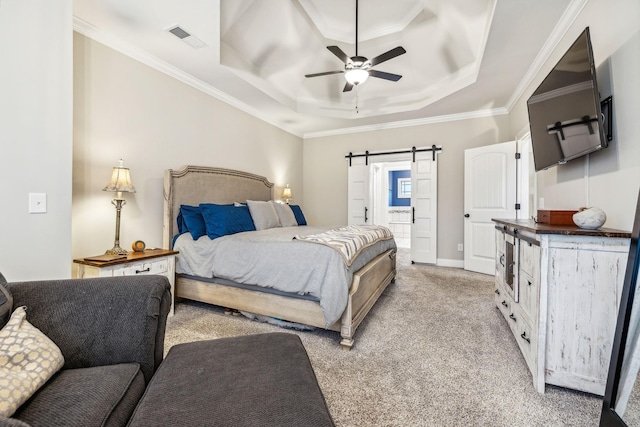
pixel 83 27
pixel 566 20
pixel 408 123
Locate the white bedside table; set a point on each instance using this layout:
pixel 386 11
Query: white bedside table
pixel 150 261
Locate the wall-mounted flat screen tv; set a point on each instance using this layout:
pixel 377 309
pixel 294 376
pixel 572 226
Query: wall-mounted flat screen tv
pixel 564 112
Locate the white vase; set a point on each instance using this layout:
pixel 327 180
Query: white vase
pixel 590 219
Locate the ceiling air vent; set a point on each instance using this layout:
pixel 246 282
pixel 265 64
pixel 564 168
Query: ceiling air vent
pixel 185 36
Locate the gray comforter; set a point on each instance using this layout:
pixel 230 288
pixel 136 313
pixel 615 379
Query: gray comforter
pixel 272 259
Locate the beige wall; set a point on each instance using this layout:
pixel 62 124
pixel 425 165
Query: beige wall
pixel 325 170
pixel 123 108
pixel 35 137
pixel 608 179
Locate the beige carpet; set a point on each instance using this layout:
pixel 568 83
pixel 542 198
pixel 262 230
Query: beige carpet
pixel 434 351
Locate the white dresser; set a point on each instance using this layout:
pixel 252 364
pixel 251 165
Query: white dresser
pixel 558 288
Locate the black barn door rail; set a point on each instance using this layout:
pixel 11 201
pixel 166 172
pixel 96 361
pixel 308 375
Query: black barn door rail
pixel 413 151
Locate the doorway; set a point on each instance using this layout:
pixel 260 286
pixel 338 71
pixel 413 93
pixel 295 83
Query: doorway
pixel 368 190
pixel 391 199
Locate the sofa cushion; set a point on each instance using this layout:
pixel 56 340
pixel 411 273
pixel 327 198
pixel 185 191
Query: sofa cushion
pixel 27 360
pixel 254 380
pixel 98 396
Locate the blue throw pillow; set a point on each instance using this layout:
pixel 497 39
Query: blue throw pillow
pixel 192 221
pixel 182 227
pixel 297 212
pixel 221 220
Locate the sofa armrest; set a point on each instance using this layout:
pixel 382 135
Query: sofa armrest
pixel 101 321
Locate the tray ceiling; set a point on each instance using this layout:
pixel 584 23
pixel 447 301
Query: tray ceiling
pixel 463 57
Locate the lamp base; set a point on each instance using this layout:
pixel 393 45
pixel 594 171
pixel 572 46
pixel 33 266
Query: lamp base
pixel 117 250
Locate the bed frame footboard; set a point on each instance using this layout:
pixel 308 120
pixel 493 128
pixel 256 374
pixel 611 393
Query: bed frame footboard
pixel 368 284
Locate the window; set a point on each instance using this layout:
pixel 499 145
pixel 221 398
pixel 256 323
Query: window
pixel 404 188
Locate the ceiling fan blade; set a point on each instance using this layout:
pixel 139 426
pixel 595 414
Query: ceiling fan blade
pixel 326 73
pixel 339 53
pixel 383 75
pixel 388 55
pixel 347 87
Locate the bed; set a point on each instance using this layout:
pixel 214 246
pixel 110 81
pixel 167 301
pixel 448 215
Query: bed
pixel 193 185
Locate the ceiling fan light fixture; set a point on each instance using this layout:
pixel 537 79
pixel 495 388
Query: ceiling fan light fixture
pixel 357 69
pixel 356 76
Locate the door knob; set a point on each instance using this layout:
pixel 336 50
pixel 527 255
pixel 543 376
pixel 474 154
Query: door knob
pixel 466 215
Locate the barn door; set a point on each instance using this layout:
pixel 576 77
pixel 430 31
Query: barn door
pixel 358 192
pixel 424 208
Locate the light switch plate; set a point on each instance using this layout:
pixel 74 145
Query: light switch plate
pixel 37 202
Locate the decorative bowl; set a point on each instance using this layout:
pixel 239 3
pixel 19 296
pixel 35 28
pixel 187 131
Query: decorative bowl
pixel 590 219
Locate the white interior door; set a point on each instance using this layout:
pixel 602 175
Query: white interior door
pixel 358 192
pixel 424 205
pixel 489 192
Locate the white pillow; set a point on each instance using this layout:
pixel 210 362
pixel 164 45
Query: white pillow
pixel 264 214
pixel 27 360
pixel 286 216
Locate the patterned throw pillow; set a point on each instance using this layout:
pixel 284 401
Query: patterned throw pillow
pixel 27 360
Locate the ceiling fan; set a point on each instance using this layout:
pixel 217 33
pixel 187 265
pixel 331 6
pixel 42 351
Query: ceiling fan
pixel 358 68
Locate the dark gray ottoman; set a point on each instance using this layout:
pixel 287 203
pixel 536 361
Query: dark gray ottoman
pixel 254 380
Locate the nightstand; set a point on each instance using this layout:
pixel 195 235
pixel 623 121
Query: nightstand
pixel 150 261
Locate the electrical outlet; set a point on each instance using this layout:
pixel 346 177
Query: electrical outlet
pixel 460 247
pixel 37 202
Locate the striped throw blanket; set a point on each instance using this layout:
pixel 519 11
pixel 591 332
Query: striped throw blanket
pixel 349 241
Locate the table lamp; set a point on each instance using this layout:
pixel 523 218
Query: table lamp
pixel 286 194
pixel 120 183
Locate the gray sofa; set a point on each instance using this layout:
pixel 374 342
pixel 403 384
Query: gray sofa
pixel 111 333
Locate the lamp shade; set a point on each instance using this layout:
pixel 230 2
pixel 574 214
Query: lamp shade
pixel 286 193
pixel 120 180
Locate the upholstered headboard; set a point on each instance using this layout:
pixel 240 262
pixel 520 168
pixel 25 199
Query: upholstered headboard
pixel 192 185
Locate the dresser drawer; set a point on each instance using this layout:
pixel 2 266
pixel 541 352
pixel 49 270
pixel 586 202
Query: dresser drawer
pixel 160 266
pixel 525 334
pixel 530 259
pixel 503 302
pixel 529 295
